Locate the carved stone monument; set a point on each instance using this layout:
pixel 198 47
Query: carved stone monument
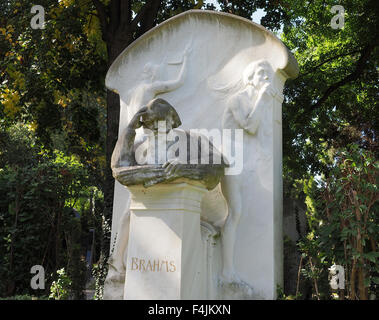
pixel 214 231
pixel 158 248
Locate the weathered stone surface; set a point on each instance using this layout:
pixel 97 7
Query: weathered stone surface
pixel 149 175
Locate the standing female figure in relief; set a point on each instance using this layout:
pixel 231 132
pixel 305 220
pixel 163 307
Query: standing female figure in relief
pixel 247 110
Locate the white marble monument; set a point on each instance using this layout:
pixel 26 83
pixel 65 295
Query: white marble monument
pixel 221 73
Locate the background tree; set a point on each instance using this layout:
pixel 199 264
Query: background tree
pixel 334 101
pixel 333 104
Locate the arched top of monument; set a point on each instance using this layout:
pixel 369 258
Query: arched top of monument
pixel 284 60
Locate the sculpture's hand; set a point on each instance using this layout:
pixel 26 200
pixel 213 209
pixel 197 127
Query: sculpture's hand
pixel 187 51
pixel 172 166
pixel 268 89
pixel 135 123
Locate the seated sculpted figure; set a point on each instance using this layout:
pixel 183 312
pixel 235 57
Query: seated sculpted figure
pixel 163 154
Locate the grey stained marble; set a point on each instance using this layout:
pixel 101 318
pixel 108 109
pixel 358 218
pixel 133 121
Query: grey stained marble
pixel 128 172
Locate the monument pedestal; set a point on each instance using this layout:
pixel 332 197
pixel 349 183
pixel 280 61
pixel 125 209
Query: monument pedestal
pixel 164 257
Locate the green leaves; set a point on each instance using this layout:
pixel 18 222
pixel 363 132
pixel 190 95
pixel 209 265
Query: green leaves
pixel 346 208
pixel 372 256
pixel 41 189
pixel 334 101
pixel 60 289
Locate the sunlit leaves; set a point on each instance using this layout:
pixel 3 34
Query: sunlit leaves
pixel 93 32
pixel 326 56
pixel 10 100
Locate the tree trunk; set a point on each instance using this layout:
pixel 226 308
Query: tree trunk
pixel 11 283
pixel 352 282
pixel 118 31
pixel 113 117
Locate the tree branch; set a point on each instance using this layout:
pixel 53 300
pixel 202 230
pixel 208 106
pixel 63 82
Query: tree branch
pixel 102 14
pixel 331 59
pixel 125 12
pixel 359 67
pixel 114 16
pixel 149 19
pixel 149 9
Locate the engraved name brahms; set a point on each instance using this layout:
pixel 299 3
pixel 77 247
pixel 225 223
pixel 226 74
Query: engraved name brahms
pixel 155 265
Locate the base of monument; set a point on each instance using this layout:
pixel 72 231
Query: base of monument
pixel 114 285
pixel 236 291
pixel 164 257
pixel 172 254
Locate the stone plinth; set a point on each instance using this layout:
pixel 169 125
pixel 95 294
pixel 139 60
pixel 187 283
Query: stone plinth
pixel 164 259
